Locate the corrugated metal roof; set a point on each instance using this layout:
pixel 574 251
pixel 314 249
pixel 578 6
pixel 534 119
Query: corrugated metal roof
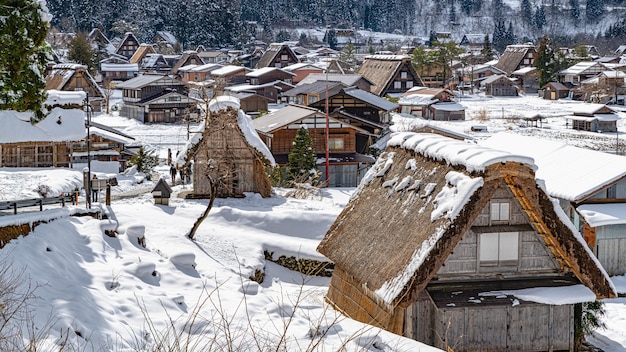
pixel 283 117
pixel 371 99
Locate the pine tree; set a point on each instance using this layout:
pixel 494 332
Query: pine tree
pixel 574 11
pixel 499 36
pixel 509 37
pixel 23 55
pixel 331 38
pixel 544 61
pixel 487 51
pixel 540 17
pixel 594 10
pixel 302 158
pixel 497 6
pixel 81 52
pixel 145 161
pixel 527 11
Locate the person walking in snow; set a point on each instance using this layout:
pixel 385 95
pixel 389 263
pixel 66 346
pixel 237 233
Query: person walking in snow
pixel 94 189
pixel 173 174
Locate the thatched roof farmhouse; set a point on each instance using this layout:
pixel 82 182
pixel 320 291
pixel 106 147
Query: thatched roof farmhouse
pixel 458 245
pixel 232 149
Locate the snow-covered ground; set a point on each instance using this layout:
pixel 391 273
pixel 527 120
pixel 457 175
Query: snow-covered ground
pixel 111 293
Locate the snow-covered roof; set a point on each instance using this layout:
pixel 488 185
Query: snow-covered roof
pixel 448 106
pixel 569 172
pixel 58 97
pixel 473 157
pixel 61 125
pixel 265 70
pixel 524 70
pixel 580 68
pixel 227 70
pixel 105 67
pixel 603 214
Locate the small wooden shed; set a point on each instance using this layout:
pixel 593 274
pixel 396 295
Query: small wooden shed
pixel 162 192
pixel 440 238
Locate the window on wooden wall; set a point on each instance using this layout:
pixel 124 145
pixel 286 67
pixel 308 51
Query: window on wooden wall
pixel 335 143
pixel 9 156
pixel 45 156
pixel 499 249
pixel 500 211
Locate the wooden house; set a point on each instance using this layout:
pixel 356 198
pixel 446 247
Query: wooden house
pixel 499 86
pixel 128 45
pixel 473 41
pixel 166 42
pixel 445 111
pixel 301 70
pixel 214 57
pixel 581 71
pixel 277 55
pixel 442 240
pixel 555 91
pixel 349 80
pixel 271 90
pixel 269 74
pixel 155 98
pixel 517 56
pixel 75 77
pixel 118 72
pixel 346 166
pixel 141 52
pixel 47 143
pixel 230 74
pixel 527 79
pixel 593 118
pixel 417 100
pixel 107 150
pixel 252 103
pixel 233 149
pixel 590 186
pixel 187 58
pixel 155 64
pixel 390 74
pixel 197 73
pixel 365 110
pixel 162 192
pixel 306 94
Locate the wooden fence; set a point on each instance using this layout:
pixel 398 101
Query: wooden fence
pixel 40 202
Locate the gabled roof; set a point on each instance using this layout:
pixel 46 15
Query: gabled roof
pixel 494 78
pixel 370 99
pixel 229 70
pixel 583 67
pixel 421 197
pixel 62 74
pixel 317 87
pixel 513 56
pixel 141 52
pixel 185 59
pixel 166 36
pixel 274 50
pixel 265 70
pixel 569 172
pixel 382 69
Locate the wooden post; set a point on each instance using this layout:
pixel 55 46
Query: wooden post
pixel 40 205
pixel 108 194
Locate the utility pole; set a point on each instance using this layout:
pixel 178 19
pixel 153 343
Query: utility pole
pixel 88 111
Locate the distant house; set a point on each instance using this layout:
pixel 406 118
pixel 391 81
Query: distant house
pixel 252 103
pixel 443 238
pixel 155 98
pixel 346 166
pixel 349 80
pixel 128 45
pixel 581 71
pixel 555 91
pixel 417 100
pixel 155 64
pixel 277 55
pixel 445 111
pixel 233 149
pixel 47 143
pixel 593 118
pixel 230 74
pixel 590 186
pixel 306 94
pixel 362 109
pixel 499 86
pixel 271 90
pixel 269 74
pixel 301 70
pixel 473 42
pixel 141 52
pixel 107 150
pixel 390 74
pixel 517 56
pixel 118 72
pixel 187 58
pixel 75 77
pixel 527 79
pixel 214 57
pixel 166 42
pixel 197 73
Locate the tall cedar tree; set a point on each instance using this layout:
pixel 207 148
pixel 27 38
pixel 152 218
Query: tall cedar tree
pixel 23 56
pixel 487 51
pixel 544 61
pixel 82 53
pixel 302 158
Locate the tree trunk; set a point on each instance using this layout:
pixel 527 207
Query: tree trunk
pixel 204 215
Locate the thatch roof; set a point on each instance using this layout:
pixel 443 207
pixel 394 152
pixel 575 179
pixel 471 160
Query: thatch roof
pixel 382 69
pixel 421 197
pixel 274 50
pixel 512 57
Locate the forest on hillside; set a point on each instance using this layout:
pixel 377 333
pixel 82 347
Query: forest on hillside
pixel 225 23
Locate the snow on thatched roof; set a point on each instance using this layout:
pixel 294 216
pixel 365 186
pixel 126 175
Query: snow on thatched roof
pixel 419 199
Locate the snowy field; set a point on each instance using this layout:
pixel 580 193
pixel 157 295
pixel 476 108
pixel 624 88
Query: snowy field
pixel 111 293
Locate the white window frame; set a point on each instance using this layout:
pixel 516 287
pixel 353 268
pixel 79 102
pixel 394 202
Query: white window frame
pixel 397 85
pixel 403 75
pixel 500 211
pixel 499 249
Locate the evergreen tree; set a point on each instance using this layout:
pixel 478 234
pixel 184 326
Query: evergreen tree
pixel 331 38
pixel 499 36
pixel 527 12
pixel 509 37
pixel 81 52
pixel 302 158
pixel 487 51
pixel 544 61
pixel 574 11
pixel 594 10
pixel 422 60
pixel 467 7
pixel 497 7
pixel 540 17
pixel 145 161
pixel 452 15
pixel 23 55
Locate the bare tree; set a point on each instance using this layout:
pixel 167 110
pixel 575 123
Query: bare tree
pixel 107 90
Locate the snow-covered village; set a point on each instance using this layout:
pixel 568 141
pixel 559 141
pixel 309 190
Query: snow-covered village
pixel 330 181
